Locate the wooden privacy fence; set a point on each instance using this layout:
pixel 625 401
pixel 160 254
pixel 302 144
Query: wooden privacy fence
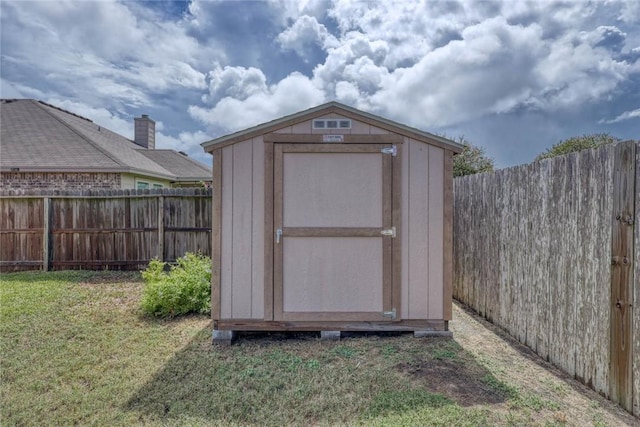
pixel 115 229
pixel 550 252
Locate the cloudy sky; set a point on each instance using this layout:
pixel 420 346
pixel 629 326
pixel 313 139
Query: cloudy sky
pixel 513 77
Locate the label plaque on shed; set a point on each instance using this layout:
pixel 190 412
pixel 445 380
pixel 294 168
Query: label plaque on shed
pixel 332 138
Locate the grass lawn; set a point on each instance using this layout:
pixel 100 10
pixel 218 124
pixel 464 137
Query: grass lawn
pixel 76 351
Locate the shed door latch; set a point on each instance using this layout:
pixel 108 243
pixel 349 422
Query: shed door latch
pixel 389 232
pixel 393 150
pixel 391 314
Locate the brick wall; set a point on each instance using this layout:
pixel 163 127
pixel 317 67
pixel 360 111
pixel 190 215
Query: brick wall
pixel 59 181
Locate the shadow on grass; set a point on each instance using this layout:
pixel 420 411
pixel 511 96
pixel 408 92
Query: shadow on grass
pixel 294 378
pixel 576 384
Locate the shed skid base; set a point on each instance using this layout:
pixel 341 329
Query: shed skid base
pixel 330 335
pixel 428 326
pixel 223 337
pixel 427 333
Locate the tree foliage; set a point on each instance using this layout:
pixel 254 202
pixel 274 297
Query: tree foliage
pixel 578 143
pixel 472 159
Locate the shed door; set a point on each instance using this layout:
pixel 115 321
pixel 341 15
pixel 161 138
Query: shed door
pixel 332 213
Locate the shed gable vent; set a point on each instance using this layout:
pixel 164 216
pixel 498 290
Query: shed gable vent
pixel 332 124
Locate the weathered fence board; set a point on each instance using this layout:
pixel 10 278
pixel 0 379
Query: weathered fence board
pixel 622 218
pixel 21 232
pixel 102 229
pixel 533 248
pixel 636 287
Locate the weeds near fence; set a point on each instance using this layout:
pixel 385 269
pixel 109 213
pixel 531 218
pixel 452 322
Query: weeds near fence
pixel 185 288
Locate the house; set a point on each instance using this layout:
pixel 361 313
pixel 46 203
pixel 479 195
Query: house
pixel 332 219
pixel 46 147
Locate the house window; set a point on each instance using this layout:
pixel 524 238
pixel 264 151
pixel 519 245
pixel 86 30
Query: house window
pixel 141 185
pixel 158 186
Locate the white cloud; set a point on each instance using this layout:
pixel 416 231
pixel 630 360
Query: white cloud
pixel 630 12
pixel 229 64
pixel 409 29
pixel 186 142
pixel 294 9
pixel 486 72
pixel 576 70
pixel 101 47
pixel 291 94
pixel 235 82
pixel 173 73
pixel 627 115
pixel 343 63
pixel 365 74
pixel 9 90
pixel 347 93
pixel 306 32
pixel 434 64
pixel 495 68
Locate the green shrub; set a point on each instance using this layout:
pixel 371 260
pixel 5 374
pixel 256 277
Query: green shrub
pixel 185 288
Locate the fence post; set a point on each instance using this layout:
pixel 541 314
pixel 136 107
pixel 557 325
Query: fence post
pixel 161 228
pixel 622 259
pixel 46 234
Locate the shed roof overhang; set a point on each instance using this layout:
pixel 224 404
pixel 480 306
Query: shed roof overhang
pixel 328 108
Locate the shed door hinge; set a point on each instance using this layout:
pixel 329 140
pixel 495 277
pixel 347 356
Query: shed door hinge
pixel 393 150
pixel 389 232
pixel 391 314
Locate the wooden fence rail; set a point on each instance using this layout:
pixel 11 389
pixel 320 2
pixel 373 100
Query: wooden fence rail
pixel 117 229
pixel 550 251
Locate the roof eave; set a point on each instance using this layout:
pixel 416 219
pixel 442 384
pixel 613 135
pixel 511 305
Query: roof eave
pixel 193 178
pixel 19 168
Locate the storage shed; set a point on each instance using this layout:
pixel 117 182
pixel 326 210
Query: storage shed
pixel 331 219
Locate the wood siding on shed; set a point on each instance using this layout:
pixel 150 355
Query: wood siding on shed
pixel 242 252
pixel 421 227
pixel 422 231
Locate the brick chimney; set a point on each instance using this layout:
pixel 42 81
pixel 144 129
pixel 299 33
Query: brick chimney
pixel 145 132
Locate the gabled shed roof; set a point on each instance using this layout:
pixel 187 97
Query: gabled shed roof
pixel 338 108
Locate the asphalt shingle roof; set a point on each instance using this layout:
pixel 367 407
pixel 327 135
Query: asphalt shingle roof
pixel 39 137
pixel 181 166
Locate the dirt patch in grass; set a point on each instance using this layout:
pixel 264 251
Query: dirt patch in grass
pixel 92 278
pixel 466 385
